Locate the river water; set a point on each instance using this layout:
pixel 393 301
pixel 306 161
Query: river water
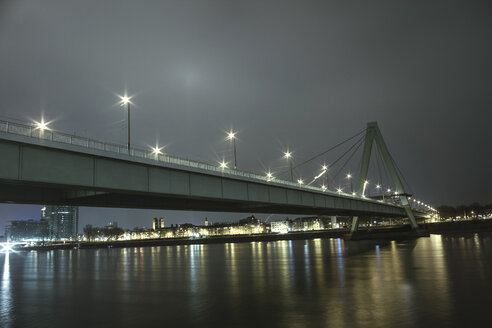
pixel 441 281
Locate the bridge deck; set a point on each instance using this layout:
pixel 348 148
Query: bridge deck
pixel 55 168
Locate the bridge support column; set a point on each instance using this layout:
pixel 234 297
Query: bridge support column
pixel 408 210
pixel 333 221
pixel 355 224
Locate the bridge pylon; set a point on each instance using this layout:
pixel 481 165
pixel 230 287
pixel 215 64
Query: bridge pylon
pixel 373 134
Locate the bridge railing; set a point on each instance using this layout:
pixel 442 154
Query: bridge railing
pixel 60 137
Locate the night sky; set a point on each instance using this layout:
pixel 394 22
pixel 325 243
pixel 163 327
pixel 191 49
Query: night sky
pixel 298 75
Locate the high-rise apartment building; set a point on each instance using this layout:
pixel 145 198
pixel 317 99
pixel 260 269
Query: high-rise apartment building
pixel 63 221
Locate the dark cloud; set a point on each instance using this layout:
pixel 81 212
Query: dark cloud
pixel 284 73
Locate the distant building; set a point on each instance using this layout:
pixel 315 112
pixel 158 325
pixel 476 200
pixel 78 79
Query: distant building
pixel 22 230
pixel 158 224
pixel 247 226
pixel 281 226
pixel 63 221
pixel 111 225
pixel 307 223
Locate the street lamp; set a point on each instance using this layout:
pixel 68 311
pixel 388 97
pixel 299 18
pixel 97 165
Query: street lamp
pixel 324 172
pixel 269 176
pixel 156 151
pixel 349 177
pixel 223 165
pixel 232 136
pixel 288 156
pixel 42 125
pixel 378 187
pixel 125 100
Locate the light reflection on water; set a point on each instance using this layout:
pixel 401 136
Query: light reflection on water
pixel 436 281
pixel 6 315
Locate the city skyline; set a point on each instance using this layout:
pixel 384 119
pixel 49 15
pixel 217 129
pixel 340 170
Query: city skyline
pixel 131 218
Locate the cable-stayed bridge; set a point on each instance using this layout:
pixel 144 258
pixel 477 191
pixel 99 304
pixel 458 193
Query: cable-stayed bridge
pixel 42 166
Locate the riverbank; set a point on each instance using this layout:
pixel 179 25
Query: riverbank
pixel 382 233
pixel 338 233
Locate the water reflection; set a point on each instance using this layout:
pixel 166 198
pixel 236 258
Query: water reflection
pixel 436 281
pixel 6 315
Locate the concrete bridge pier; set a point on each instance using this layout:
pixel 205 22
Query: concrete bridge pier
pixel 355 225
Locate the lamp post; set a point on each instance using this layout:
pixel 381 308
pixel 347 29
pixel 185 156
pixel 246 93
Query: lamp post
pixel 288 156
pixel 125 100
pixel 156 151
pixel 349 178
pixel 223 165
pixel 42 125
pixel 324 171
pixel 231 135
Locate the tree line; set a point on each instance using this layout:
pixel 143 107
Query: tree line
pixel 108 233
pixel 471 210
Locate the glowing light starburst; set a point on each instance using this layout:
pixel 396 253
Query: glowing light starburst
pixel 157 150
pixel 231 135
pixel 6 247
pixel 42 125
pixel 125 99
